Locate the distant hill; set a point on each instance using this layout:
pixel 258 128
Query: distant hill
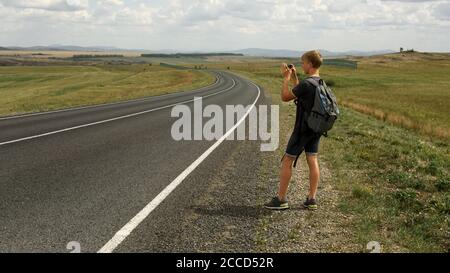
pixel 259 52
pixel 191 55
pixel 80 48
pixel 403 56
pixel 62 48
pixel 253 52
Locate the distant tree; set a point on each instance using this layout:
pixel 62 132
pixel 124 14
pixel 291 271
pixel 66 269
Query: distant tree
pixel 401 49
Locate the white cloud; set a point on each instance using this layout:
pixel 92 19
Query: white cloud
pixel 211 24
pixel 442 11
pixel 111 2
pixel 55 5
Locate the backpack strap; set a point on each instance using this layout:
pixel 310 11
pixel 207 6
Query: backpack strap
pixel 295 162
pixel 314 82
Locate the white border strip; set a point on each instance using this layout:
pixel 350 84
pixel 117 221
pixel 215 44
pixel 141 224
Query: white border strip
pixel 126 230
pixel 113 119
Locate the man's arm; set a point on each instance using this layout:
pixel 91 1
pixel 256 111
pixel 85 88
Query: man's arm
pixel 286 92
pixel 295 79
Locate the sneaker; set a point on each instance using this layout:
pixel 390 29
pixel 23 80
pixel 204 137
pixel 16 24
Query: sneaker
pixel 310 204
pixel 276 204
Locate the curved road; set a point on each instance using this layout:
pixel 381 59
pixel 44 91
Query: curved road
pixel 82 174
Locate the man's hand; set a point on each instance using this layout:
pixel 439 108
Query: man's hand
pixel 286 72
pixel 286 94
pixel 294 76
pixel 289 74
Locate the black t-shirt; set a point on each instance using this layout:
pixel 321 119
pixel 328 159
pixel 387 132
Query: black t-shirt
pixel 305 93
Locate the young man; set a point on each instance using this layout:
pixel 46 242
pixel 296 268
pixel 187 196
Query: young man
pixel 303 138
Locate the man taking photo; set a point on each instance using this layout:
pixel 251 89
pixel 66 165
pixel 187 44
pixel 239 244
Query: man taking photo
pixel 302 138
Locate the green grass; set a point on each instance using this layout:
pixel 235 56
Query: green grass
pixel 394 181
pixel 412 91
pixel 25 89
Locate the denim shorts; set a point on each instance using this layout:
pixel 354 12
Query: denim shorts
pixel 307 142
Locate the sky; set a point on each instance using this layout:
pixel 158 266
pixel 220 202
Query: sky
pixel 213 25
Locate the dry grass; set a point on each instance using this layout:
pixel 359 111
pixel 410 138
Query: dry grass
pixel 25 89
pixel 399 120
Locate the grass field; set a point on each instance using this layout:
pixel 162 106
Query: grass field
pixel 410 90
pixel 25 89
pixel 393 179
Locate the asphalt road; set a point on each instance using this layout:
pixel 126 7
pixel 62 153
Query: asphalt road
pixel 81 175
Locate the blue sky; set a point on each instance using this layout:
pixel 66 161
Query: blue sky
pixel 212 25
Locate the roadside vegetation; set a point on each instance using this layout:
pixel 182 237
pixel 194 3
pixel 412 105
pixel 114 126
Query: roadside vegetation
pixel 390 164
pixel 28 89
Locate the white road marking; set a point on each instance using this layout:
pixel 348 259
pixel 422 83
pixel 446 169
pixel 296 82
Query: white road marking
pixel 113 119
pixel 126 230
pixel 104 104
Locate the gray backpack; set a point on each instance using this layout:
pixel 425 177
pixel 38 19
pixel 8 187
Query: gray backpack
pixel 325 110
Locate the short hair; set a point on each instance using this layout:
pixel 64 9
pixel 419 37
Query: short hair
pixel 314 57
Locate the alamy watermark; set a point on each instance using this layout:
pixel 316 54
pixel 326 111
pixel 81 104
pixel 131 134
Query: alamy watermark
pixel 191 126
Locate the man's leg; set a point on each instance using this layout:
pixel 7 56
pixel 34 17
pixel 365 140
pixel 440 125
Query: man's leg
pixel 314 174
pixel 285 176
